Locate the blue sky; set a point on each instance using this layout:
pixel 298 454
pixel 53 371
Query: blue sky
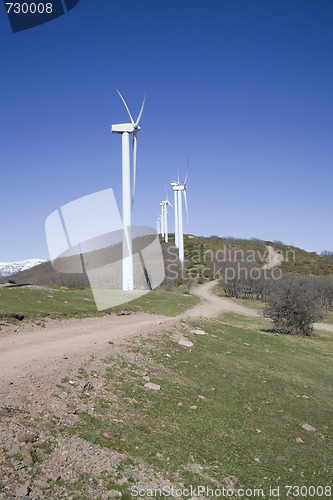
pixel 242 87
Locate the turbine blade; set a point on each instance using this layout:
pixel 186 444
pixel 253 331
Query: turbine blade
pixel 135 146
pixel 128 111
pixel 185 199
pixel 186 171
pixel 141 110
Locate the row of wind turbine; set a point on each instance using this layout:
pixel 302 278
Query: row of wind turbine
pixel 125 129
pixel 162 228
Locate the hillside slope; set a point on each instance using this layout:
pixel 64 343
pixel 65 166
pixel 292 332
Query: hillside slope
pixel 201 254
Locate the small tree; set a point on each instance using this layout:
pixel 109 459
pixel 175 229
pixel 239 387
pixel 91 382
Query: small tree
pixel 294 305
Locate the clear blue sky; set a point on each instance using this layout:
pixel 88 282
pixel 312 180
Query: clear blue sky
pixel 244 87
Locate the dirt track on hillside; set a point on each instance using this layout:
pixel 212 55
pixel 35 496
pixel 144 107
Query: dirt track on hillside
pixel 37 347
pixel 275 258
pixel 74 340
pixel 212 305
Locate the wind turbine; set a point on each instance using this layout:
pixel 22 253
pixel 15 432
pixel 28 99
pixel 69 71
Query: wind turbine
pixel 125 129
pixel 179 190
pixel 164 206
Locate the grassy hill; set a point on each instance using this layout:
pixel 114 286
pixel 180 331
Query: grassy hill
pixel 200 254
pixel 25 303
pixel 199 250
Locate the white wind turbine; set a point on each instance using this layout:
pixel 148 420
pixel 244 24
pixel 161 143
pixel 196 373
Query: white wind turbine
pixel 179 190
pixel 164 210
pixel 125 129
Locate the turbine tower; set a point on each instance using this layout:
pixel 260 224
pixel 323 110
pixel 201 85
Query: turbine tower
pixel 174 185
pixel 125 129
pixel 162 218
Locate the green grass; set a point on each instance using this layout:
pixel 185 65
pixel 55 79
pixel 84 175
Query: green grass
pixel 248 387
pixel 35 304
pixel 252 304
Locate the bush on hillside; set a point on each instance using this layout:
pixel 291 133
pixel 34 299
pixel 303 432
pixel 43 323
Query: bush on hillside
pixel 294 305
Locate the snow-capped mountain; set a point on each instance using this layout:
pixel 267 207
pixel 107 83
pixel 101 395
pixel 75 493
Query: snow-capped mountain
pixel 9 268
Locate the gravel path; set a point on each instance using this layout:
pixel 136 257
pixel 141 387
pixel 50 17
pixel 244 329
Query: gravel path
pixel 37 347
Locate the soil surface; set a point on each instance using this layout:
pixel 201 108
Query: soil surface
pixel 275 258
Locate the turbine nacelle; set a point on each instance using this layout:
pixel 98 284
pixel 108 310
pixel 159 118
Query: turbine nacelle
pixel 178 187
pixel 124 127
pixel 130 128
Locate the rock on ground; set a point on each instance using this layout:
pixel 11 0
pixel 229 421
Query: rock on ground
pixel 154 387
pixel 185 342
pixel 199 332
pixel 309 428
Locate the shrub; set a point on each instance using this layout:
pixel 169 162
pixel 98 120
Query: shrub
pixel 294 305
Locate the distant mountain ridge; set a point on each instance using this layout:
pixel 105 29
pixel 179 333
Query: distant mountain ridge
pixel 10 268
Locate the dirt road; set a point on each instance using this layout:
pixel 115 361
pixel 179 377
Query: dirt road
pixel 323 326
pixel 212 305
pixel 59 339
pixel 76 339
